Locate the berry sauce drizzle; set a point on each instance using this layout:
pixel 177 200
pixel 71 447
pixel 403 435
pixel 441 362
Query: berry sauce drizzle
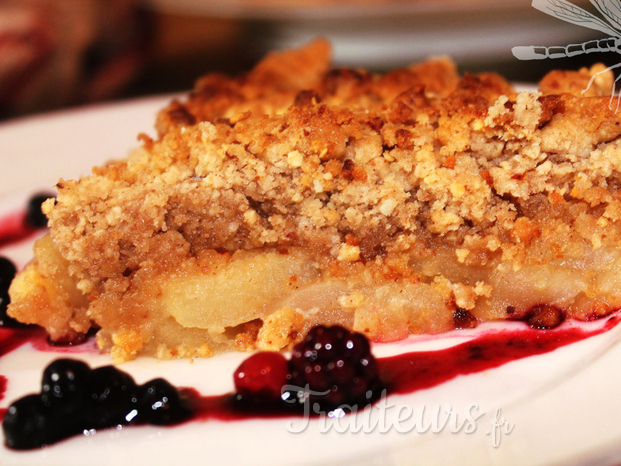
pixel 404 373
pixel 3 384
pixel 409 372
pixel 13 338
pixel 14 229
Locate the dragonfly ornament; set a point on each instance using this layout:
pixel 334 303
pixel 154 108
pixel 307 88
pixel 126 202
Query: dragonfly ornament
pixel 566 11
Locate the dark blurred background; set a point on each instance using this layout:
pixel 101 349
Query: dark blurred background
pixel 60 53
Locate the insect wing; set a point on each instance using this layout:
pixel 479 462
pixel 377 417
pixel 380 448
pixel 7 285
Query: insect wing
pixel 571 13
pixel 611 10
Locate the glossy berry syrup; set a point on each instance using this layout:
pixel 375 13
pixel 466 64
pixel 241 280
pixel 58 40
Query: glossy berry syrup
pixel 409 372
pixel 113 399
pixel 414 371
pixel 13 229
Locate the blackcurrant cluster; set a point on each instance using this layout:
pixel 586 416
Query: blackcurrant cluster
pixel 7 273
pixel 75 398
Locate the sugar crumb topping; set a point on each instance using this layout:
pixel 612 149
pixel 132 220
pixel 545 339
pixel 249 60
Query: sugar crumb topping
pixel 298 154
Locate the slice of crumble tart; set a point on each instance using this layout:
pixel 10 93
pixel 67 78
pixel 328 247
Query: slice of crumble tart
pixel 416 201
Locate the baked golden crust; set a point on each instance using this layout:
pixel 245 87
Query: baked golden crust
pixel 416 177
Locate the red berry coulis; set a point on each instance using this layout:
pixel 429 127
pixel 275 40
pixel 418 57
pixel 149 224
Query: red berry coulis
pixel 404 373
pixel 409 372
pixel 13 229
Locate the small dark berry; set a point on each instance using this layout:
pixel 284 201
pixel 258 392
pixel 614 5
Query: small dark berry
pixel 7 273
pixel 111 396
pixel 545 316
pixel 159 403
pixel 29 424
pixel 35 218
pixel 5 320
pixel 261 377
pixel 64 386
pixel 463 319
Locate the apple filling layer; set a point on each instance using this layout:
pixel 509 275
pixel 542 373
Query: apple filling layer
pixel 417 201
pixel 268 298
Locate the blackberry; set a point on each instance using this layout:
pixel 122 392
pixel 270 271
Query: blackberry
pixel 261 377
pixel 338 367
pixel 7 273
pixel 35 218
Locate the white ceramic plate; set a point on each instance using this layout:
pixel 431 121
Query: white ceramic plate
pixel 563 406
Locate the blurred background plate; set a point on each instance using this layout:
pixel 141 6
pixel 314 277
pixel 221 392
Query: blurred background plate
pixel 327 9
pixel 63 53
pixel 383 34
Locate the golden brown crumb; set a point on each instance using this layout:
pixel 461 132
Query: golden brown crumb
pixel 403 180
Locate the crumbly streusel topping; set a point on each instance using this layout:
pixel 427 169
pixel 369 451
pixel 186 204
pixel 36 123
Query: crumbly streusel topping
pixel 353 166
